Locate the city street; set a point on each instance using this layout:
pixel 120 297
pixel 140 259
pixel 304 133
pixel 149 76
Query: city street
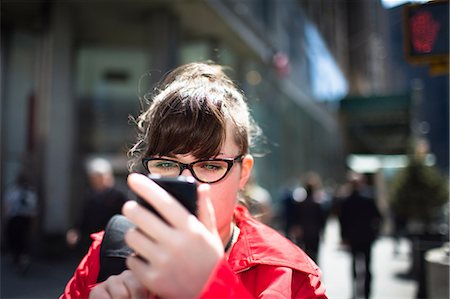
pixel 338 102
pixel 46 278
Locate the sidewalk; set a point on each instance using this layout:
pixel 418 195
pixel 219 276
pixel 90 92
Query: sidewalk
pixel 387 269
pixel 45 278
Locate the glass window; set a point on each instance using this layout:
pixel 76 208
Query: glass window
pixel 109 83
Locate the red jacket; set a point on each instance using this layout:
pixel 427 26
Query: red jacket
pixel 261 264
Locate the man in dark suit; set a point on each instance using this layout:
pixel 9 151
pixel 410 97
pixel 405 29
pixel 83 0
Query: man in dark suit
pixel 103 201
pixel 360 221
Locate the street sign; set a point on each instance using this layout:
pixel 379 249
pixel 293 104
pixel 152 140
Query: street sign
pixel 426 34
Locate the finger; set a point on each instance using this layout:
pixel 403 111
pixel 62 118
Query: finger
pixel 206 213
pixel 143 272
pixel 143 246
pixel 135 288
pixel 169 208
pixel 147 222
pixel 99 292
pixel 116 288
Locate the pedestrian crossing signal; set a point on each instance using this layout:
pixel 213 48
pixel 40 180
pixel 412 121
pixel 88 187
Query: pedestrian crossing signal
pixel 426 32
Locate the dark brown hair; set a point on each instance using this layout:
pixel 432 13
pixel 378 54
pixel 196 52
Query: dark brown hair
pixel 189 114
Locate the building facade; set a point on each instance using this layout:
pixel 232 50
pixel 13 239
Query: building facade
pixel 73 72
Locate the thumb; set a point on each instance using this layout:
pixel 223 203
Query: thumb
pixel 206 213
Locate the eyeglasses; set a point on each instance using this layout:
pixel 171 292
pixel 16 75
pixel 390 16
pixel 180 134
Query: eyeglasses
pixel 206 171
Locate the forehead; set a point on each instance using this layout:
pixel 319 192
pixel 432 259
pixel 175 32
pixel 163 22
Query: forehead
pixel 229 147
pixel 190 125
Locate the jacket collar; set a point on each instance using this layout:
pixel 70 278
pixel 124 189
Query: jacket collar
pixel 259 244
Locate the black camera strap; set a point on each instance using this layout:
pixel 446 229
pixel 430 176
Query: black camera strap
pixel 232 238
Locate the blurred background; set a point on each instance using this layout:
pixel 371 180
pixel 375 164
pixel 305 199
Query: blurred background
pixel 335 85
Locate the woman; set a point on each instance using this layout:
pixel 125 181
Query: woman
pixel 198 124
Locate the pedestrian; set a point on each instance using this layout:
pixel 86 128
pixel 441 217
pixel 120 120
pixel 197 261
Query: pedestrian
pixel 290 196
pixel 20 210
pixel 360 222
pixel 310 217
pixel 259 201
pixel 199 124
pixel 307 218
pixel 103 201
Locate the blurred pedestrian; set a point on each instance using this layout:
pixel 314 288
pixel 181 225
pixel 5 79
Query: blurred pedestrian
pixel 399 230
pixel 290 194
pixel 259 201
pixel 21 207
pixel 309 218
pixel 103 201
pixel 360 222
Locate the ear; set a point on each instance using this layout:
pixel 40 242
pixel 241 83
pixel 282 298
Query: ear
pixel 246 170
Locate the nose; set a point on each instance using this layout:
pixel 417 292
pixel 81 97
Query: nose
pixel 186 172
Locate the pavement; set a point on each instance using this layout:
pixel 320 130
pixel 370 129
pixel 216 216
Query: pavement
pixel 46 278
pixel 389 270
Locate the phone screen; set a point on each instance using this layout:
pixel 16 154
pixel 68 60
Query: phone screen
pixel 183 189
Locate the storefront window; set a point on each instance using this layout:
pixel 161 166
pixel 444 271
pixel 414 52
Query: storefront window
pixel 109 83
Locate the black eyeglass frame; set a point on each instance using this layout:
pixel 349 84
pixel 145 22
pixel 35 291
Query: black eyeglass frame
pixel 230 163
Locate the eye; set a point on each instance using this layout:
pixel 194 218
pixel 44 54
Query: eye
pixel 212 165
pixel 162 164
pixel 166 164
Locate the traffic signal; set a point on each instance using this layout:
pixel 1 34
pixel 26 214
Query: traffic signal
pixel 426 32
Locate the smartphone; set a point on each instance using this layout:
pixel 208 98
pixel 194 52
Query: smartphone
pixel 183 189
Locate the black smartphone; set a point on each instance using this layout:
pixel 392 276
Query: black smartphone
pixel 183 189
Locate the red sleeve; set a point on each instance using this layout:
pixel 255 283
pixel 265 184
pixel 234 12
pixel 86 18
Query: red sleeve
pixel 85 276
pixel 311 287
pixel 266 281
pixel 224 283
pixel 262 282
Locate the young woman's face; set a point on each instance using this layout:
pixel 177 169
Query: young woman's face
pixel 224 193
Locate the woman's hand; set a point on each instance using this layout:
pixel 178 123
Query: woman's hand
pixel 122 286
pixel 176 257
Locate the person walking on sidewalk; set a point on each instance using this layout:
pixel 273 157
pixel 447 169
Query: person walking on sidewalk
pixel 360 222
pixel 21 206
pixel 103 201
